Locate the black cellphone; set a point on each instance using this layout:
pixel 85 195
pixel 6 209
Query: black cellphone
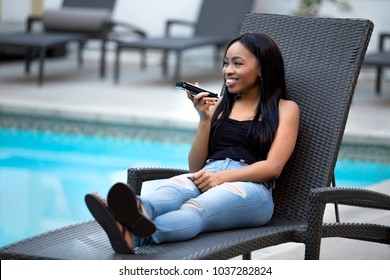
pixel 194 89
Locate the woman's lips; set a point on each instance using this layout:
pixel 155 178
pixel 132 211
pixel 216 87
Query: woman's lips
pixel 230 82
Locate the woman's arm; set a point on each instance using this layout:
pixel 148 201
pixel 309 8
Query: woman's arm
pixel 200 147
pixel 199 150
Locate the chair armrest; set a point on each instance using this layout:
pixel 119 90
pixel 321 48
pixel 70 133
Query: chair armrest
pixel 171 22
pixel 349 196
pixel 318 198
pixel 119 28
pixel 136 176
pixel 382 37
pixel 31 20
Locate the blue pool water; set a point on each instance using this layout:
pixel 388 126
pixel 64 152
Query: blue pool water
pixel 44 176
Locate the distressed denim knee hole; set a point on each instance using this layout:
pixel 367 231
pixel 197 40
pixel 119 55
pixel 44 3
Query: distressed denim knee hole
pixel 234 188
pixel 182 181
pixel 193 203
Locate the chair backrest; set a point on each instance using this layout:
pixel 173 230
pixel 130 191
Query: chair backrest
pixel 221 17
pixel 323 57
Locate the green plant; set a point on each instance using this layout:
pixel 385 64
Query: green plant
pixel 311 7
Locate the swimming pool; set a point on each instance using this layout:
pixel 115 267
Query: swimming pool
pixel 44 174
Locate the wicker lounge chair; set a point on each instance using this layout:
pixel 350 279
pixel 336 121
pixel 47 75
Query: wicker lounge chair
pixel 209 30
pixel 379 59
pixel 322 59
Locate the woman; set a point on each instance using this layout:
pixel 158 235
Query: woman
pixel 242 143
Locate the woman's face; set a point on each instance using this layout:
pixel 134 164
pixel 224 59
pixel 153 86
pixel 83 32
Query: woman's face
pixel 240 69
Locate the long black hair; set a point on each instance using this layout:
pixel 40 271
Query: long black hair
pixel 272 87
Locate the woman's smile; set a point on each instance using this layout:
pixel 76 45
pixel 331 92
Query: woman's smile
pixel 230 82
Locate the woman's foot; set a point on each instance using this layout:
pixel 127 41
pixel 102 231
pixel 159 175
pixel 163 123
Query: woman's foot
pixel 118 234
pixel 127 209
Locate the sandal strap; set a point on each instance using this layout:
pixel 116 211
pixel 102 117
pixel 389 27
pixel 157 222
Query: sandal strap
pixel 123 232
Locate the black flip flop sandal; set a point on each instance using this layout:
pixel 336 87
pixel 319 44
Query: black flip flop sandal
pixel 123 203
pixel 105 218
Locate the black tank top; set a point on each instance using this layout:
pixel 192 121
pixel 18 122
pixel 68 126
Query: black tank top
pixel 231 139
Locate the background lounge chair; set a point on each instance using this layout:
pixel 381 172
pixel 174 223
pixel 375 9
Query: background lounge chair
pixel 218 22
pixel 76 20
pixel 323 57
pixel 379 59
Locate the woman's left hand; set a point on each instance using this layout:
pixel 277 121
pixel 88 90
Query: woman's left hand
pixel 205 180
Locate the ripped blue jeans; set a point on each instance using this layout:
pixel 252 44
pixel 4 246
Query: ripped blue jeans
pixel 180 211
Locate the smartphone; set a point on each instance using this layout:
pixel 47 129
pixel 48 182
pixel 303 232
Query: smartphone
pixel 194 89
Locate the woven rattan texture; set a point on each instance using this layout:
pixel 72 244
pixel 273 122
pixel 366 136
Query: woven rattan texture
pixel 322 61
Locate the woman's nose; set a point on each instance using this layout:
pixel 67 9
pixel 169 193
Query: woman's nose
pixel 228 69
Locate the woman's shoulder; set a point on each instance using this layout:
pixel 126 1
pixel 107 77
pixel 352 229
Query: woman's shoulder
pixel 289 107
pixel 288 104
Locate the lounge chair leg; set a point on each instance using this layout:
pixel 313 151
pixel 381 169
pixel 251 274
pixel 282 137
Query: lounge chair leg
pixel 29 57
pixel 80 55
pixel 42 54
pixel 103 59
pixel 165 63
pixel 312 249
pixel 247 256
pixel 378 80
pixel 177 66
pixel 116 65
